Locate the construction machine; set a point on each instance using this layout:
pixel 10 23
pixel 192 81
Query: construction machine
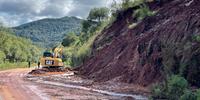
pixel 52 59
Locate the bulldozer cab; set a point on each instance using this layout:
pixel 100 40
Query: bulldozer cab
pixel 47 54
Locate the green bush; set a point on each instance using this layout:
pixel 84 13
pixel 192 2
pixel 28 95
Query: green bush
pixel 157 91
pixel 174 88
pixel 198 94
pixel 196 38
pixel 192 70
pixel 2 56
pixel 143 12
pixel 188 95
pixel 70 38
pixel 116 8
pixel 131 3
pixel 76 54
pixel 176 85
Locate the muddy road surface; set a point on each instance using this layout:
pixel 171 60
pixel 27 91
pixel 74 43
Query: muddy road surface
pixel 13 86
pixel 16 84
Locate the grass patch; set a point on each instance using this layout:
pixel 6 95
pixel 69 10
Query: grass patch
pixel 6 66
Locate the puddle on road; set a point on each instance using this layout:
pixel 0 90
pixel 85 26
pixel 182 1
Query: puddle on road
pixel 137 97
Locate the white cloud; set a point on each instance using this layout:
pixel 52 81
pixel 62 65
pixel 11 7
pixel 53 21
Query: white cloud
pixel 16 12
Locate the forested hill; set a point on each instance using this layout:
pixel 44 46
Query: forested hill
pixel 48 32
pixel 16 49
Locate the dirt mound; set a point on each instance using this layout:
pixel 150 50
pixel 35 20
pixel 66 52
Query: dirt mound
pixel 45 70
pixel 139 55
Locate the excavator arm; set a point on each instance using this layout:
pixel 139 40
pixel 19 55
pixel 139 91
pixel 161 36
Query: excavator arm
pixel 58 52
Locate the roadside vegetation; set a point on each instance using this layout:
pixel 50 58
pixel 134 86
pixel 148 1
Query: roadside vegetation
pixel 175 87
pixel 78 47
pixel 180 71
pixel 15 51
pixel 8 65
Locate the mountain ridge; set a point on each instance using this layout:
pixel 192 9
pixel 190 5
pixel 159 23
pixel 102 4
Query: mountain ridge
pixel 48 32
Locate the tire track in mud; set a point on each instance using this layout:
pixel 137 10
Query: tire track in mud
pixel 84 88
pixel 137 97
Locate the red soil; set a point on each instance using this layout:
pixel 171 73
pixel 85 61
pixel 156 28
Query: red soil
pixel 134 55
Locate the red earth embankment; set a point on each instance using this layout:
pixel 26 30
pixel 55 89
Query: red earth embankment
pixel 139 55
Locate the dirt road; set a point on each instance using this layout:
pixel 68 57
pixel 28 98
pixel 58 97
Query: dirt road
pixel 13 86
pixel 17 85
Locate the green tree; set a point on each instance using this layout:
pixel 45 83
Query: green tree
pixel 98 14
pixel 15 49
pixel 87 25
pixel 69 39
pixel 2 56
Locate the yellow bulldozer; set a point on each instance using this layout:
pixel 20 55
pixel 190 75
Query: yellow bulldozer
pixel 52 59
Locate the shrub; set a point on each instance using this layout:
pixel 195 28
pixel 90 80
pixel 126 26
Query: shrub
pixel 196 38
pixel 188 95
pixel 143 12
pixel 157 91
pixel 131 3
pixel 2 56
pixel 116 8
pixel 174 88
pixel 192 72
pixel 197 94
pixel 70 38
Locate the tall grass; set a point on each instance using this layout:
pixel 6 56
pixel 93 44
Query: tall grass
pixel 8 65
pixel 75 55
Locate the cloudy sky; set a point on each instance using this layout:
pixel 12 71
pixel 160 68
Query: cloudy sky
pixel 16 12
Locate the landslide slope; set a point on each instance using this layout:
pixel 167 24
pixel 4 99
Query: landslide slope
pixel 141 54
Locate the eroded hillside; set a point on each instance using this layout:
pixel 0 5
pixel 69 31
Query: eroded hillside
pixel 167 41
